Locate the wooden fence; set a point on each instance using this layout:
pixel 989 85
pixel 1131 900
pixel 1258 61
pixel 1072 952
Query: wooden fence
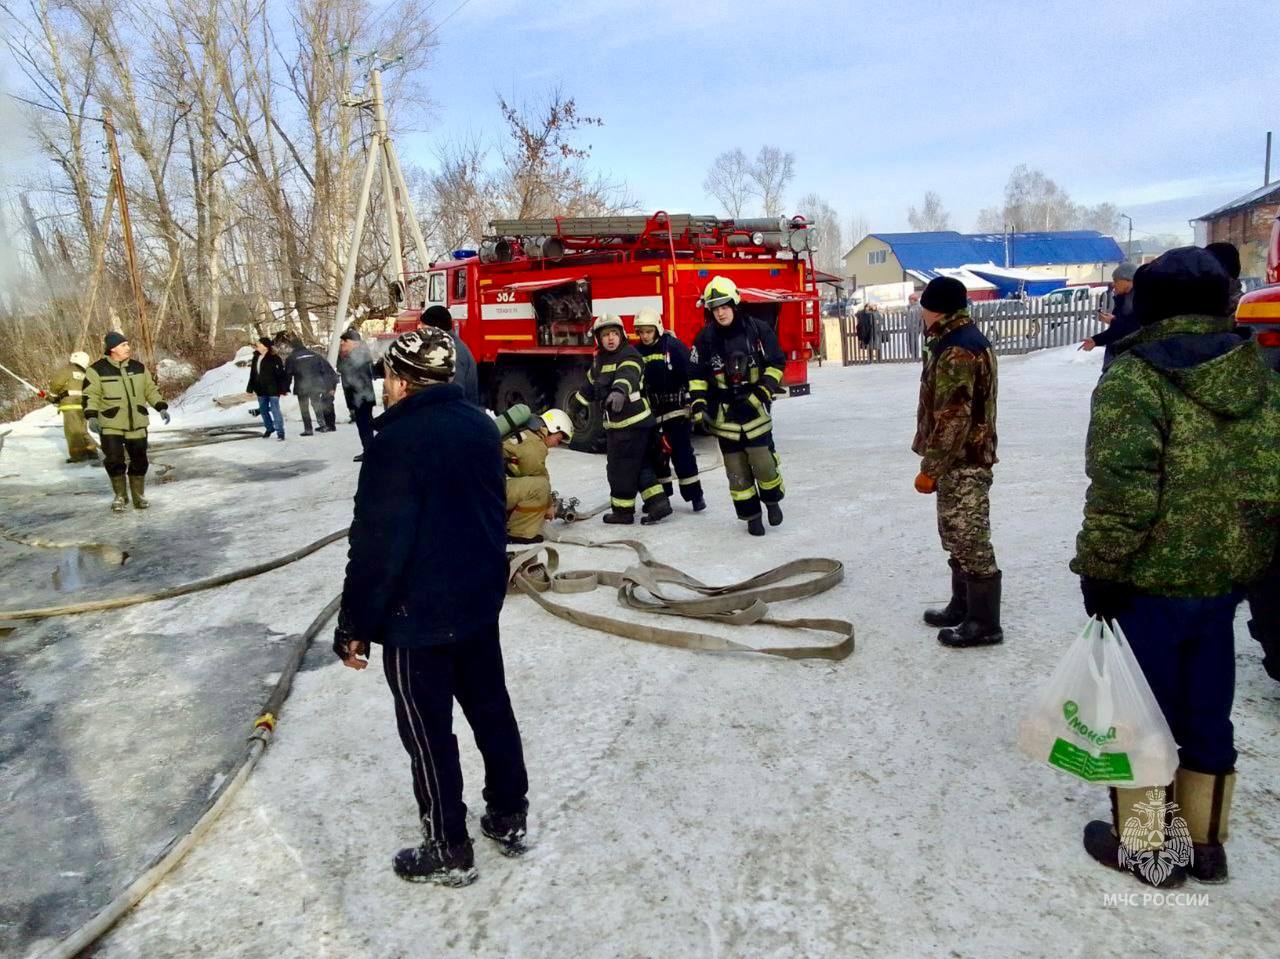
pixel 1012 326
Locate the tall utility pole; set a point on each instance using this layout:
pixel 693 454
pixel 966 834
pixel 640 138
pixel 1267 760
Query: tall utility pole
pixel 395 192
pixel 1128 247
pixel 126 228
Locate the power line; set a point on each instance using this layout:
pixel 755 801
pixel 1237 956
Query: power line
pixel 52 109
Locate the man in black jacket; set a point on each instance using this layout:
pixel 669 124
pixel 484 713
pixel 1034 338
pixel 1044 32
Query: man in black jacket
pixel 666 386
pixel 267 382
pixel 1121 321
pixel 313 381
pixel 426 577
pixel 465 375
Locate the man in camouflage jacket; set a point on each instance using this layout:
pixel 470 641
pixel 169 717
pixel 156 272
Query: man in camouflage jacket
pixel 956 440
pixel 1184 461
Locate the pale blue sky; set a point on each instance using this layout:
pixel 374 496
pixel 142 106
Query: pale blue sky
pixel 1160 107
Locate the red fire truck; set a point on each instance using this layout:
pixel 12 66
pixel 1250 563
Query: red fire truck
pixel 524 301
pixel 1259 311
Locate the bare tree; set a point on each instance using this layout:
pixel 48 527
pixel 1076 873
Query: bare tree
pixel 827 227
pixel 859 227
pixel 931 216
pixel 729 181
pixel 771 174
pixel 990 220
pixel 1033 201
pixel 461 196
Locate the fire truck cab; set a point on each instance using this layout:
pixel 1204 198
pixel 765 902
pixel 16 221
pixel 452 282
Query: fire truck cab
pixel 524 302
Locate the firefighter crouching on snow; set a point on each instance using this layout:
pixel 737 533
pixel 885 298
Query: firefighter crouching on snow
pixel 117 393
pixel 956 440
pixel 736 365
pixel 67 393
pixel 528 482
pixel 666 387
pixel 616 379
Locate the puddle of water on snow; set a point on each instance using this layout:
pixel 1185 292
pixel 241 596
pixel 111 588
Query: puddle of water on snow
pixel 81 566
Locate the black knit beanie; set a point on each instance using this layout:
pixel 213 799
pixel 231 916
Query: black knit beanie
pixel 944 294
pixel 1187 280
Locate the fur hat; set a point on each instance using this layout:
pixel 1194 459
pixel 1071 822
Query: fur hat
pixel 1184 280
pixel 423 356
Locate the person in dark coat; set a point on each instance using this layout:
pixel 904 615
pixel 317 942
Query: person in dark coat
pixel 465 375
pixel 1228 257
pixel 1121 321
pixel 666 386
pixel 267 381
pixel 355 366
pixel 426 577
pixel 313 381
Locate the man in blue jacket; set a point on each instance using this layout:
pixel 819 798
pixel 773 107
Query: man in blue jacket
pixel 426 577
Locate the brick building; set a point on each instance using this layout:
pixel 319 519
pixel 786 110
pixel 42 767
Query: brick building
pixel 1246 222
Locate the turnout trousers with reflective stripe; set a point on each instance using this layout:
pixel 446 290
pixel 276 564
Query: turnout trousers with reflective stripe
pixel 528 498
pixel 631 466
pixel 80 445
pixel 964 518
pixel 675 438
pixel 424 683
pixel 754 475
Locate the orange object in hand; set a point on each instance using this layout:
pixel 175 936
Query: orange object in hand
pixel 925 483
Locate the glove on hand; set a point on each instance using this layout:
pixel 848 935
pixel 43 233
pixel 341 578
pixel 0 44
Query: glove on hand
pixel 615 401
pixel 92 423
pixel 926 484
pixel 164 415
pixel 1105 598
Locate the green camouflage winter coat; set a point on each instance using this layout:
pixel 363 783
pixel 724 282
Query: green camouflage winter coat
pixel 956 417
pixel 1184 461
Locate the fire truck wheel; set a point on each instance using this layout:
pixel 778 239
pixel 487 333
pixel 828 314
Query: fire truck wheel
pixel 518 385
pixel 588 424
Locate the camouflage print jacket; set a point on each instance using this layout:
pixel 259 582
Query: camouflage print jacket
pixel 1184 462
pixel 956 418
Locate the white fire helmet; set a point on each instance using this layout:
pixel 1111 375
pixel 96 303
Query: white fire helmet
pixel 81 359
pixel 650 318
pixel 558 421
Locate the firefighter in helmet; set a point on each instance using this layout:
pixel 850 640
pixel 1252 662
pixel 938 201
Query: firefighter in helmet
pixel 666 387
pixel 737 366
pixel 67 393
pixel 528 482
pixel 616 380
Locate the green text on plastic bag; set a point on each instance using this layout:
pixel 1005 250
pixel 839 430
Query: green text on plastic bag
pixel 1109 767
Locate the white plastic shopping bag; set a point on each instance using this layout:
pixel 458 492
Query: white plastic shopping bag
pixel 1097 719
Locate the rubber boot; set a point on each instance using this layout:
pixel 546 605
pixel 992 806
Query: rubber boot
pixel 656 510
pixel 435 862
pixel 981 626
pixel 137 486
pixel 1204 801
pixel 953 614
pixel 699 504
pixel 508 831
pixel 620 517
pixel 121 502
pixel 755 526
pixel 1142 817
pixel 775 513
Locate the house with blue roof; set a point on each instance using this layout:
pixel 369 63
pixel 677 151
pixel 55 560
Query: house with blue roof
pixel 1066 257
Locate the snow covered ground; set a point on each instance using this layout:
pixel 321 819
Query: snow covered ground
pixel 687 804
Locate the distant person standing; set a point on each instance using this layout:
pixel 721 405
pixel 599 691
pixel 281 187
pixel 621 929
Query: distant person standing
pixel 355 367
pixel 426 578
pixel 313 381
pixel 1121 321
pixel 118 390
pixel 465 375
pixel 956 440
pixel 67 393
pixel 267 382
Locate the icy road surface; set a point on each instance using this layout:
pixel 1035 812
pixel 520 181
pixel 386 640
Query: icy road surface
pixel 703 805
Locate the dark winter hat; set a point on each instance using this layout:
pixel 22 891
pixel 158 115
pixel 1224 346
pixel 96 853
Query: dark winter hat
pixel 1124 271
pixel 1185 280
pixel 437 316
pixel 422 356
pixel 266 341
pixel 1228 256
pixel 944 294
pixel 112 340
pixel 350 335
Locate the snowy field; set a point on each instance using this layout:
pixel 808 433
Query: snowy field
pixel 686 804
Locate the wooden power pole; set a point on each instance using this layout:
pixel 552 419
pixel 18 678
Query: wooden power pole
pixel 126 227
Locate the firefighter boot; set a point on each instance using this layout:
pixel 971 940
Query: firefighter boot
pixel 121 502
pixel 981 626
pixel 755 526
pixel 1142 818
pixel 620 517
pixel 438 863
pixel 138 485
pixel 1205 803
pixel 953 614
pixel 775 513
pixel 656 510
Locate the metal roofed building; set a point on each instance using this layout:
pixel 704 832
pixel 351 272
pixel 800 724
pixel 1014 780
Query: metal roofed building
pixel 1082 256
pixel 1246 222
